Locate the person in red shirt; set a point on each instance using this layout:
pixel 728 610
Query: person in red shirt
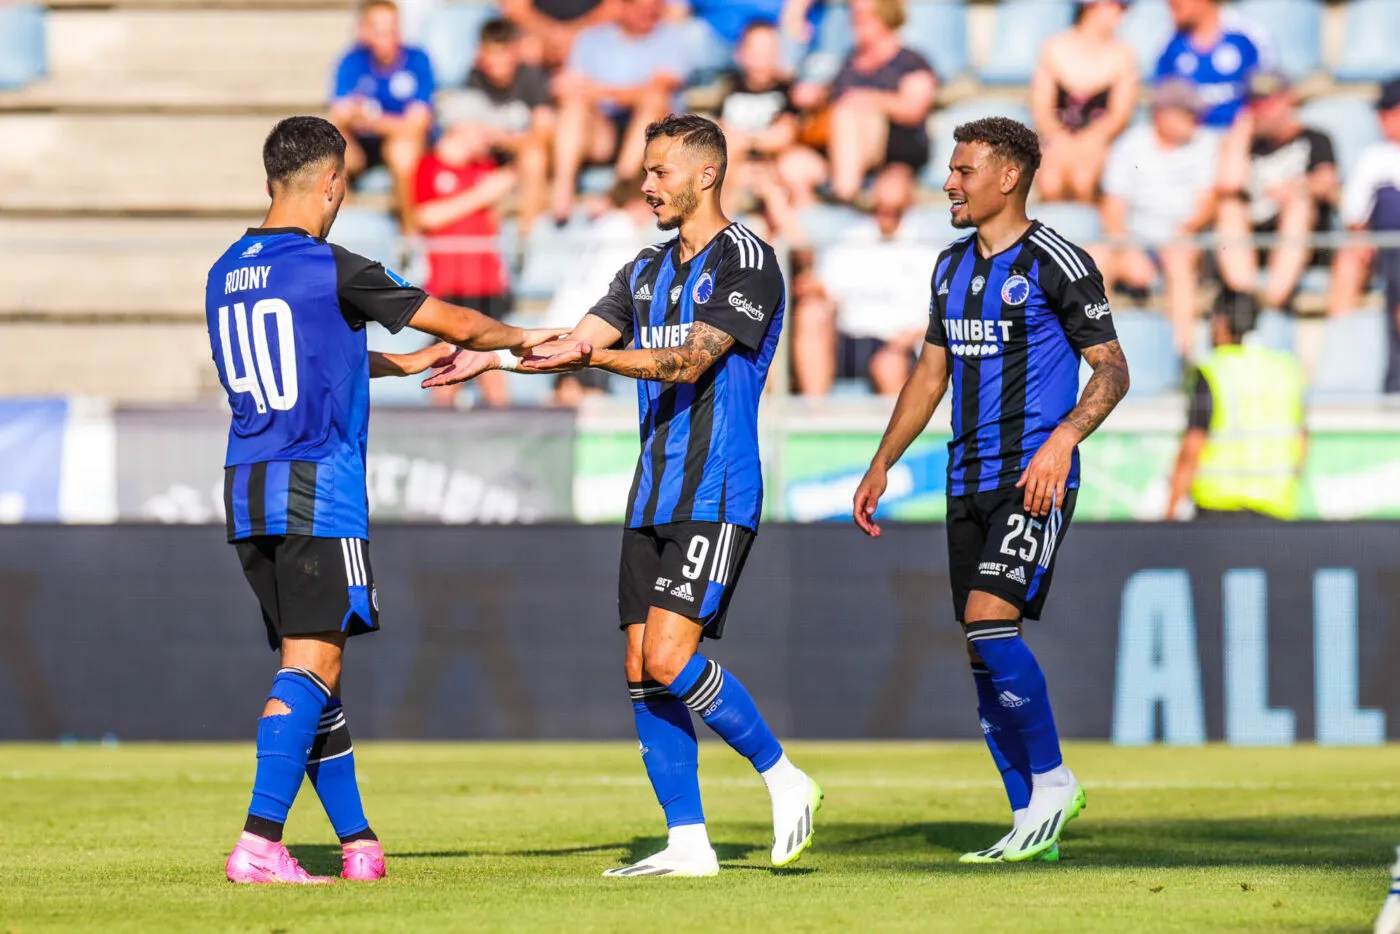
pixel 457 192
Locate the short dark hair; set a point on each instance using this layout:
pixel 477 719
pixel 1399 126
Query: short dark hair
pixel 1008 139
pixel 1239 310
pixel 297 143
pixel 497 31
pixel 697 134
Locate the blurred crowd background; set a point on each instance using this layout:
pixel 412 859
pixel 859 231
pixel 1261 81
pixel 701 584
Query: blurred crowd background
pixel 1192 146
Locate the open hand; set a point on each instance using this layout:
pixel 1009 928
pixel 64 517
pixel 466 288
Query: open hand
pixel 867 498
pixel 558 356
pixel 460 367
pixel 537 336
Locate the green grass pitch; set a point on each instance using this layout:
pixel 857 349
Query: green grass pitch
pixel 513 837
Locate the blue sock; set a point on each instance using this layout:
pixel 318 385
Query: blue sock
pixel 331 768
pixel 284 742
pixel 727 708
pixel 669 751
pixel 1020 688
pixel 1003 740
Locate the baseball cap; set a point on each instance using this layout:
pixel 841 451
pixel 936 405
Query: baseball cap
pixel 1268 82
pixel 1176 93
pixel 1390 95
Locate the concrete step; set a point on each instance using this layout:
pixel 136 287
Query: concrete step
pixel 166 58
pixel 125 362
pixel 110 268
pixel 97 163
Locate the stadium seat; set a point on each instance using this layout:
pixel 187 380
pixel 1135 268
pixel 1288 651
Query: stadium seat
pixel 368 232
pixel 937 30
pixel 1368 50
pixel 1274 330
pixel 1147 343
pixel 946 120
pixel 1295 27
pixel 1077 223
pixel 824 222
pixel 1022 26
pixel 22 58
pixel 450 35
pixel 548 252
pixel 1146 27
pixel 834 31
pixel 1349 121
pixel 1351 360
pixel 933 224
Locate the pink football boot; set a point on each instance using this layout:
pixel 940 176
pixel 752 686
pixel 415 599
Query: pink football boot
pixel 363 860
pixel 256 860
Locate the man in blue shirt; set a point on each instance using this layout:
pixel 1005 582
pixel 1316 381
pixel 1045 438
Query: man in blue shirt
pixel 286 313
pixel 383 98
pixel 1218 53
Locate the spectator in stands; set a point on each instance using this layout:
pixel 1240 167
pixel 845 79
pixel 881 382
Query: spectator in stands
pixel 458 190
pixel 1371 201
pixel 1292 186
pixel 383 100
pixel 550 26
pixel 873 115
pixel 729 19
pixel 757 113
pixel 614 239
pixel 1217 52
pixel 1082 96
pixel 619 77
pixel 511 100
pixel 1159 188
pixel 865 311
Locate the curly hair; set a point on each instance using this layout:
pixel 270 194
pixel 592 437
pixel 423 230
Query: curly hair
pixel 1008 139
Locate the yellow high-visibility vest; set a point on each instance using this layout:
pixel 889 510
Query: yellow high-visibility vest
pixel 1250 460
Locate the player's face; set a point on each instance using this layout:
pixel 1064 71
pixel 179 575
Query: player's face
pixel 672 182
pixel 975 184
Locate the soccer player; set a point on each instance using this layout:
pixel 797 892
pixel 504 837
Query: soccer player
pixel 704 310
pixel 286 313
pixel 1014 308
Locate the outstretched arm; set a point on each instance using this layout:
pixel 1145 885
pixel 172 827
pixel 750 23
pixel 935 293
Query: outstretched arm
pixel 912 410
pixel 684 364
pixel 407 364
pixel 1045 476
pixel 570 352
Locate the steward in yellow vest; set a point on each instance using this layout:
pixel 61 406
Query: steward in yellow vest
pixel 1245 440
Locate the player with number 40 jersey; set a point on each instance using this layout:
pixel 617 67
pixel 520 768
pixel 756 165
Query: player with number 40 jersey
pixel 287 312
pixel 1014 309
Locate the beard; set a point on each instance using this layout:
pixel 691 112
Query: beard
pixel 684 205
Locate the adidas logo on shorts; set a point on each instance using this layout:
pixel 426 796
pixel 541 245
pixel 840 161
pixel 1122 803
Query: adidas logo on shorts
pixel 1017 574
pixel 683 591
pixel 1007 699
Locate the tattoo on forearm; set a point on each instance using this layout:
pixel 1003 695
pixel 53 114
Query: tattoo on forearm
pixel 1105 389
pixel 684 364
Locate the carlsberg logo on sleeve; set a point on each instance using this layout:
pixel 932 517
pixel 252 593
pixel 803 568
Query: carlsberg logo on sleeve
pixel 737 299
pixel 1097 311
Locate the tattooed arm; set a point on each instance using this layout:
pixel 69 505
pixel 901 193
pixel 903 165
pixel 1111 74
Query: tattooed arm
pixel 1045 476
pixel 684 364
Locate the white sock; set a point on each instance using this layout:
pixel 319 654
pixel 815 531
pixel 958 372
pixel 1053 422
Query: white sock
pixel 1058 777
pixel 688 838
pixel 1017 815
pixel 782 775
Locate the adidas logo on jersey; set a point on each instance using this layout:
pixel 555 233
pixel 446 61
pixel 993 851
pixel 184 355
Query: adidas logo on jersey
pixel 1095 312
pixel 683 591
pixel 1007 699
pixel 943 287
pixel 643 294
pixel 1018 575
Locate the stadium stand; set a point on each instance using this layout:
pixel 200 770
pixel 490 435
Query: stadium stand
pixel 132 138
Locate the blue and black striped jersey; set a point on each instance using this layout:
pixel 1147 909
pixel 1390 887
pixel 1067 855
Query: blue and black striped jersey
pixel 700 458
pixel 1014 326
pixel 286 314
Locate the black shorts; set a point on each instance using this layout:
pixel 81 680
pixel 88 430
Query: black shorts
pixel 495 307
pixel 853 356
pixel 906 146
pixel 690 568
pixel 996 547
pixel 373 147
pixel 311 585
